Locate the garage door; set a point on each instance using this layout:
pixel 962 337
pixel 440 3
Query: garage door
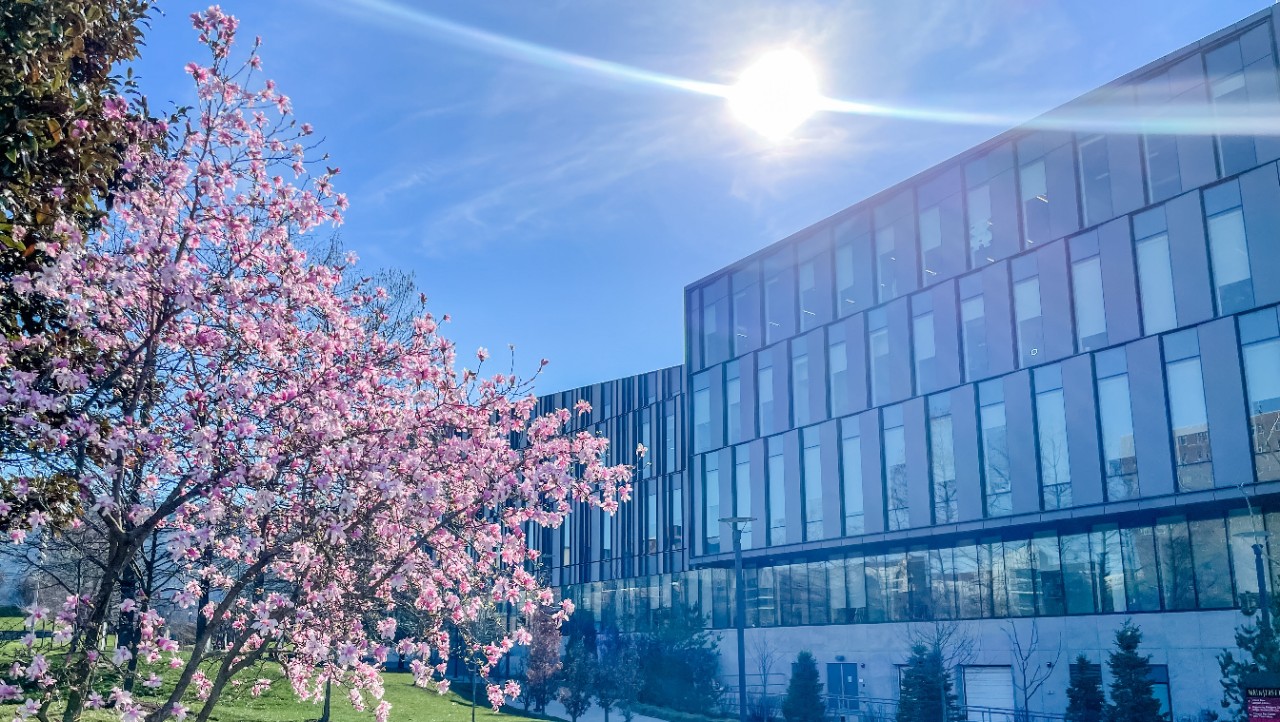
pixel 987 688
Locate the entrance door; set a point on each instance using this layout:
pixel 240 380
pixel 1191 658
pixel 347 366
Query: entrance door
pixel 987 689
pixel 842 687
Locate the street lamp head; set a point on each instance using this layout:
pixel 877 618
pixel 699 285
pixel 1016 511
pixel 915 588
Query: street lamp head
pixel 737 522
pixel 1257 536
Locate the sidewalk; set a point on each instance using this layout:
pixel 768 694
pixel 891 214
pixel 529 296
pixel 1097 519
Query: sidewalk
pixel 595 714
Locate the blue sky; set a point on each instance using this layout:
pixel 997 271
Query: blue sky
pixel 564 211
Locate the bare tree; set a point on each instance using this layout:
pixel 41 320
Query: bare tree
pixel 1032 666
pixel 764 707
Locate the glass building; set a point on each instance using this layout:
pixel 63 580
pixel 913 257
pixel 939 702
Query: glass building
pixel 1037 385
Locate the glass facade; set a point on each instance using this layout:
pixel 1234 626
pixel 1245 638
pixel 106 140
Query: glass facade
pixel 1174 563
pixel 1024 383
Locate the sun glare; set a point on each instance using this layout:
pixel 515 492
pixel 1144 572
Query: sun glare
pixel 776 94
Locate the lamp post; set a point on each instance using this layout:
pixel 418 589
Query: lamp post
pixel 1259 538
pixel 740 601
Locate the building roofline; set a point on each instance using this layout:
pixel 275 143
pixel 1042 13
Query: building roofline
pixel 1005 136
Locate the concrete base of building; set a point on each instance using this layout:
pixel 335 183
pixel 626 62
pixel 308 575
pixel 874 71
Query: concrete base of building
pixel 1183 645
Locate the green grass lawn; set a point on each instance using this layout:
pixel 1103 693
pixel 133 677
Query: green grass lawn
pixel 409 704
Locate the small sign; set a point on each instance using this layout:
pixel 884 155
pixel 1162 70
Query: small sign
pixel 1262 698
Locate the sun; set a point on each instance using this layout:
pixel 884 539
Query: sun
pixel 776 94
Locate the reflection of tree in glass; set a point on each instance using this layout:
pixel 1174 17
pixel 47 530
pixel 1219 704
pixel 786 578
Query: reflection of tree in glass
pixel 943 470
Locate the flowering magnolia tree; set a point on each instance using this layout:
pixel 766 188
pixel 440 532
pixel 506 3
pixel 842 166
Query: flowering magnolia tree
pixel 303 448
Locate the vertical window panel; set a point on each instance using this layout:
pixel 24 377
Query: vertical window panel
pixel 1028 317
pixel 942 461
pixel 1090 308
pixel 711 504
pixel 1260 340
pixel 997 484
pixel 1187 412
pixel 1155 272
pixel 1228 248
pixel 1051 432
pixel 973 337
pixel 851 477
pixel 742 491
pixel 811 480
pixel 897 501
pixel 1115 413
pixel 777 499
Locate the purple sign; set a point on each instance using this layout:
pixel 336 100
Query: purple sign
pixel 1262 704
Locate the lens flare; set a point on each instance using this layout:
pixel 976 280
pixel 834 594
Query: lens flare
pixel 776 94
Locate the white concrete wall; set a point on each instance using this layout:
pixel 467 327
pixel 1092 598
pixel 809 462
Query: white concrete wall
pixel 1188 642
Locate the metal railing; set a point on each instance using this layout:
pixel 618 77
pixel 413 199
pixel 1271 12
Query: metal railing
pixel 879 709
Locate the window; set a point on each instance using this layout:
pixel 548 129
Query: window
pixel 930 238
pixel 923 344
pixel 742 490
pixel 711 504
pixel 746 310
pixel 1051 429
pixel 851 236
pixel 973 337
pixel 1035 202
pixel 701 413
pixel 1028 319
pixel 651 517
pixel 811 479
pixel 997 489
pixel 1160 151
pixel 669 432
pixel 1228 248
pixel 1077 574
pixel 838 370
pixel 1159 676
pixel 676 515
pixel 1187 412
pixel 733 401
pixel 1173 549
pixel 1230 89
pixel 1116 415
pixel 942 460
pixel 1087 294
pixel 878 336
pixel 1213 563
pixel 1155 272
pixel 1138 550
pixel 800 381
pixel 1108 568
pixel 777 500
pixel 779 297
pixel 886 263
pixel 1260 338
pixel 606 535
pixel 715 321
pixel 646 438
pixel 978 203
pixel 851 477
pixel 764 394
pixel 814 279
pixel 1095 179
pixel 896 497
pixel 1050 591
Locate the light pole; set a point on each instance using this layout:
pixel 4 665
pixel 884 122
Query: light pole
pixel 740 601
pixel 1259 538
